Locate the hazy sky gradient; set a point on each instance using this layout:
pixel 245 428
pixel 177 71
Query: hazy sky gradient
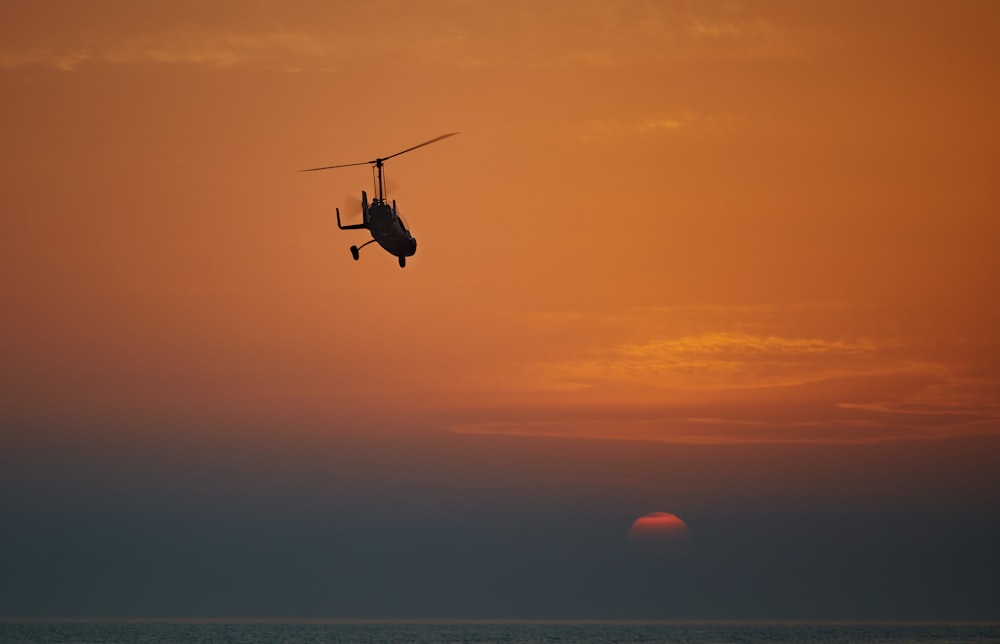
pixel 733 261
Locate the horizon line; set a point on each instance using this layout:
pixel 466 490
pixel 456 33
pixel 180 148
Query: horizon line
pixel 502 621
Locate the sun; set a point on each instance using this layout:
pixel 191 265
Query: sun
pixel 659 532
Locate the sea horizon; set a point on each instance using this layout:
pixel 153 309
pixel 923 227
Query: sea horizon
pixel 502 621
pixel 483 631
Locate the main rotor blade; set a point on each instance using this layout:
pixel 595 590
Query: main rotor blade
pixel 348 165
pixel 342 165
pixel 434 140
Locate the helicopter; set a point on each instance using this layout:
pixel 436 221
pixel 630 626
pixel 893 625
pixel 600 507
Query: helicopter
pixel 384 223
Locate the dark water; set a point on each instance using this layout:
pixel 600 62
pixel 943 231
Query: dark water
pixel 586 633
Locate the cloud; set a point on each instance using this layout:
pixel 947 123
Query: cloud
pixel 65 60
pixel 516 35
pixel 696 431
pixel 730 35
pixel 653 125
pixel 797 414
pixel 714 360
pixel 289 51
pixel 700 26
pixel 616 129
pixel 976 400
pixel 738 374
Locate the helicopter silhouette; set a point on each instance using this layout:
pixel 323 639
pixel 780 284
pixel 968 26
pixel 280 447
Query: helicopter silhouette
pixel 384 222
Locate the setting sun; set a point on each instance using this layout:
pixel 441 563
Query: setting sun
pixel 659 531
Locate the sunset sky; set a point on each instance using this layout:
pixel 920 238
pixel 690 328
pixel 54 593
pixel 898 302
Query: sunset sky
pixel 733 261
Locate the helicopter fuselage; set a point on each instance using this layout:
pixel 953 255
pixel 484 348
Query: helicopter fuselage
pixel 389 231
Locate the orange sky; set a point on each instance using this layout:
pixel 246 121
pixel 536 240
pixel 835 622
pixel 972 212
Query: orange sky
pixel 751 246
pixel 709 222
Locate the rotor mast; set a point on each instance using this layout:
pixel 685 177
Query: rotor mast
pixel 378 164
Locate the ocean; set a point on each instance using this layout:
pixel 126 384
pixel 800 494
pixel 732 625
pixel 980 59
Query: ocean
pixel 321 632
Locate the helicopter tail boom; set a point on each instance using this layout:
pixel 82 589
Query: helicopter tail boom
pixel 364 215
pixel 341 226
